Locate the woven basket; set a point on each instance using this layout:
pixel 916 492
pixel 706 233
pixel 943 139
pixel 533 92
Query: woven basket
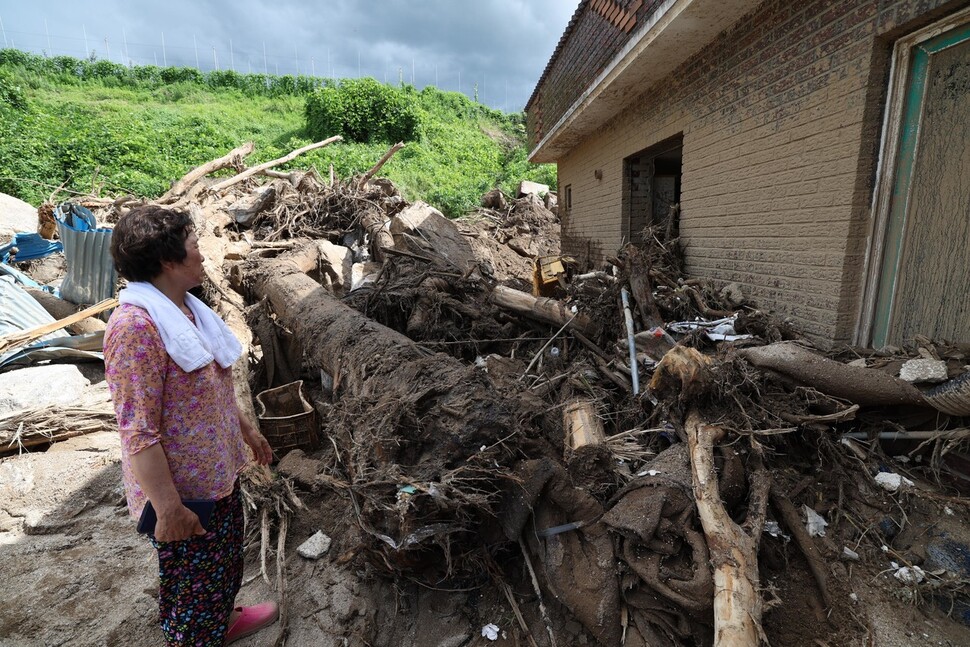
pixel 287 420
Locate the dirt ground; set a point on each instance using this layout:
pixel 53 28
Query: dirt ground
pixel 74 572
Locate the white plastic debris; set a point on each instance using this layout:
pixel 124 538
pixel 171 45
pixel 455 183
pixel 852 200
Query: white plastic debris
pixel 315 547
pixel 490 631
pixel 814 523
pixel 923 370
pixel 774 529
pixel 853 597
pixel 909 574
pixel 948 511
pixel 891 482
pixel 648 473
pixel 717 330
pixel 849 554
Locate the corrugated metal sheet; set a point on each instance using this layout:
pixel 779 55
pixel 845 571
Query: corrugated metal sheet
pixel 82 348
pixel 91 273
pixel 20 311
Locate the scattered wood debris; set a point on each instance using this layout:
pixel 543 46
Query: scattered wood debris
pixel 626 467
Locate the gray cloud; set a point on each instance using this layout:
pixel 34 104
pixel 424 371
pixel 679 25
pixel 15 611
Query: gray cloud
pixel 500 45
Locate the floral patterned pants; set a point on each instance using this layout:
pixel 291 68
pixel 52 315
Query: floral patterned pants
pixel 200 577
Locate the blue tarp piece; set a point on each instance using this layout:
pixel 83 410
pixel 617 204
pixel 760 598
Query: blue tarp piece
pixel 30 246
pixel 19 276
pixel 76 217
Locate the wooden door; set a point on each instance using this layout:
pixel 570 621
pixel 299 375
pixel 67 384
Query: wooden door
pixel 924 279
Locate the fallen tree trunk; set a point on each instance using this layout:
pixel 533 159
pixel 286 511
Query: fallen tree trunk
pixel 418 418
pixel 231 159
pixel 543 309
pixel 863 386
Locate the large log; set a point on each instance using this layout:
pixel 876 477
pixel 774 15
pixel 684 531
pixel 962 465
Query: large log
pixel 543 309
pixel 418 418
pixel 733 548
pixel 863 386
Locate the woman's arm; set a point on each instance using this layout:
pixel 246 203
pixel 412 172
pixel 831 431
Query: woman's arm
pixel 256 441
pixel 175 521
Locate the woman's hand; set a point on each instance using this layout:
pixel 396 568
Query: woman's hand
pixel 257 442
pixel 177 523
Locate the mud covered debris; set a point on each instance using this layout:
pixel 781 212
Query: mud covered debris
pixel 478 439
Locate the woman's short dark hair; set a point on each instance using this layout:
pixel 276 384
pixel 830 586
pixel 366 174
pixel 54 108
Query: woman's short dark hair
pixel 147 236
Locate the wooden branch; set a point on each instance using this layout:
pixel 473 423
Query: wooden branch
pixel 231 159
pixel 293 177
pixel 374 169
pixel 543 309
pixel 221 186
pixel 793 520
pixel 22 337
pixel 733 552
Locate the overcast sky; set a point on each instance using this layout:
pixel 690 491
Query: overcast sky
pixel 500 45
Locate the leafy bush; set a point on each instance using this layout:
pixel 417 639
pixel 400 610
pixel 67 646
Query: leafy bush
pixel 362 110
pixel 68 121
pixel 11 94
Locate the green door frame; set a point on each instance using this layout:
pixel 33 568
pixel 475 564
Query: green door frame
pixel 904 113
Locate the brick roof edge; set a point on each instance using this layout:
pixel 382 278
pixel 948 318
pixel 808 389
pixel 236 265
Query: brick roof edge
pixel 559 47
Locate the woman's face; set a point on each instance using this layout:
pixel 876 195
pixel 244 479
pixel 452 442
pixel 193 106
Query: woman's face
pixel 189 272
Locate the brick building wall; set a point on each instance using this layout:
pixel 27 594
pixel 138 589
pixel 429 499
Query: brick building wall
pixel 781 120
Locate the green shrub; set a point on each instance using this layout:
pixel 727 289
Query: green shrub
pixel 11 94
pixel 362 110
pixel 70 121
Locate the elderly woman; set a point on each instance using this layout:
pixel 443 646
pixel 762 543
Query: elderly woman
pixel 167 360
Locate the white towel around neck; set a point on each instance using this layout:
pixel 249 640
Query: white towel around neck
pixel 190 346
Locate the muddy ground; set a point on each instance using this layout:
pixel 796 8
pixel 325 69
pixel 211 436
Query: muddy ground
pixel 74 572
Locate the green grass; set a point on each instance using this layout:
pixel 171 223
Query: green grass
pixel 131 135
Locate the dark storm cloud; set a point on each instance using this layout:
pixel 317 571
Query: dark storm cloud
pixel 499 45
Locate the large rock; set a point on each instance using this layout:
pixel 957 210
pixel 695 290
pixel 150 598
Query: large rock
pixel 15 216
pixel 423 229
pixel 527 187
pixel 39 386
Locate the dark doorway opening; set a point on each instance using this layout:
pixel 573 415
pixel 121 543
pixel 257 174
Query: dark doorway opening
pixel 651 189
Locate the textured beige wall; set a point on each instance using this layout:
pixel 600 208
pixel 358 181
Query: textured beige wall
pixel 781 119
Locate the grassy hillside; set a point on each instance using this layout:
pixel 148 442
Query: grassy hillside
pixel 96 123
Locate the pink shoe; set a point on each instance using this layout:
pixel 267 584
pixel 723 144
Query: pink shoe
pixel 252 619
